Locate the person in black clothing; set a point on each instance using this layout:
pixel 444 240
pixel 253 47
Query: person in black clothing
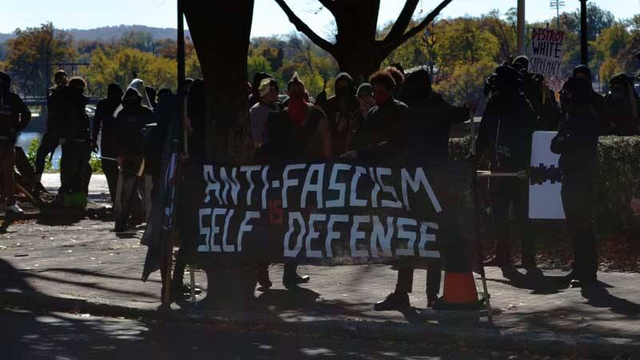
pixel 129 124
pixel 505 138
pixel 196 113
pixel 50 140
pixel 14 117
pixel 151 94
pixel 103 125
pixel 622 107
pixel 358 136
pixel 597 101
pixel 577 143
pixel 341 110
pixel 542 99
pixel 75 137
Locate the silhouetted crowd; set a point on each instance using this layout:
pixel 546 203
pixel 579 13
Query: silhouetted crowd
pixel 394 115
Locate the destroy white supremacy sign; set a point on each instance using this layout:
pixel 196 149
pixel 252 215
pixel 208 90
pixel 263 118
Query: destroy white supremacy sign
pixel 327 213
pixel 546 52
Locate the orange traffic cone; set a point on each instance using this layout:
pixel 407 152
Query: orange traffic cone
pixel 459 293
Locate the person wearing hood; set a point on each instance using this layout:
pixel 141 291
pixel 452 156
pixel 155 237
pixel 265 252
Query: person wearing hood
pixel 622 107
pixel 597 101
pixel 577 143
pixel 50 139
pixel 342 110
pixel 539 95
pixel 130 121
pixel 359 136
pixel 14 117
pixel 103 129
pixel 75 138
pixel 505 137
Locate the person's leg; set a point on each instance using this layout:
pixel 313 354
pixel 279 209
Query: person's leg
pixel 434 278
pixel 290 277
pixel 48 144
pixel 576 198
pixel 399 299
pixel 521 209
pixel 500 200
pixel 110 169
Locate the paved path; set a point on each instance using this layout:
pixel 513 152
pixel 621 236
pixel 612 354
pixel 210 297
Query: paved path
pixel 86 260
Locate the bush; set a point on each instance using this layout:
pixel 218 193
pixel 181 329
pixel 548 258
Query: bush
pixel 617 180
pixel 31 156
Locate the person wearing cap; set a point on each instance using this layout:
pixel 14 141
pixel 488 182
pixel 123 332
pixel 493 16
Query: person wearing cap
pixel 540 96
pixel 622 107
pixel 341 109
pixel 14 117
pixel 577 143
pixel 55 106
pixel 254 96
pixel 258 114
pixel 505 137
pixel 359 137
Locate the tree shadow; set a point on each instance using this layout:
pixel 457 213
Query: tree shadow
pixel 539 283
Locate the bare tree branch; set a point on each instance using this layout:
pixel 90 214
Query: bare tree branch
pixel 392 44
pixel 330 5
pixel 304 28
pixel 404 19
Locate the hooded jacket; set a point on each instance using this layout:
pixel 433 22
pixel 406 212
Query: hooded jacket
pixel 129 124
pixel 430 117
pixel 105 121
pixel 71 121
pixel 14 114
pixel 621 115
pixel 507 124
pixel 577 139
pixel 344 105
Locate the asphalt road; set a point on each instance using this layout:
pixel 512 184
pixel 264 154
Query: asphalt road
pixel 27 335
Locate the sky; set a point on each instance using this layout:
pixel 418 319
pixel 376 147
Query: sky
pixel 268 18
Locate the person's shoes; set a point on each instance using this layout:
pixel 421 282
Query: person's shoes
pixel 510 272
pixel 394 301
pixel 293 283
pixel 15 209
pixel 497 262
pixel 431 300
pixel 593 290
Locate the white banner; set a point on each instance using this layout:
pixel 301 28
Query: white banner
pixel 545 201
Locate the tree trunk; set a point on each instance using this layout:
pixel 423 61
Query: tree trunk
pixel 221 34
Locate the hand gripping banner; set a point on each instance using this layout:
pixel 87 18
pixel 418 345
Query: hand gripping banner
pixel 331 213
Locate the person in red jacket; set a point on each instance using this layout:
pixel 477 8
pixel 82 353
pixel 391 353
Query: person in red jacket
pixel 14 117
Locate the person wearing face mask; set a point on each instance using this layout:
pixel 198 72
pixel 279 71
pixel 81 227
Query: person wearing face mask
pixel 75 138
pixel 300 132
pixel 622 107
pixel 597 101
pixel 103 128
pixel 130 121
pixel 341 109
pixel 14 117
pixel 55 105
pixel 539 95
pixel 505 137
pixel 577 143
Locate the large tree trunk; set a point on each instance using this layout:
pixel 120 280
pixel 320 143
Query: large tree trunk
pixel 359 68
pixel 221 34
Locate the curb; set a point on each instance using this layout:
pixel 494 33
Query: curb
pixel 513 339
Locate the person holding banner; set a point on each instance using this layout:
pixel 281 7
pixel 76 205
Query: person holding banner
pixel 504 137
pixel 577 143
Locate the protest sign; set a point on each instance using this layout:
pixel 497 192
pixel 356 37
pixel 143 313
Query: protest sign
pixel 545 201
pixel 330 213
pixel 546 52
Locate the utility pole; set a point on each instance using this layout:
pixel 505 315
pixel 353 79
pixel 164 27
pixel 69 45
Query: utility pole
pixel 584 44
pixel 521 28
pixel 557 4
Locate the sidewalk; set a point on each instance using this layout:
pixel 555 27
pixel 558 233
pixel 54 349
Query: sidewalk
pixel 85 267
